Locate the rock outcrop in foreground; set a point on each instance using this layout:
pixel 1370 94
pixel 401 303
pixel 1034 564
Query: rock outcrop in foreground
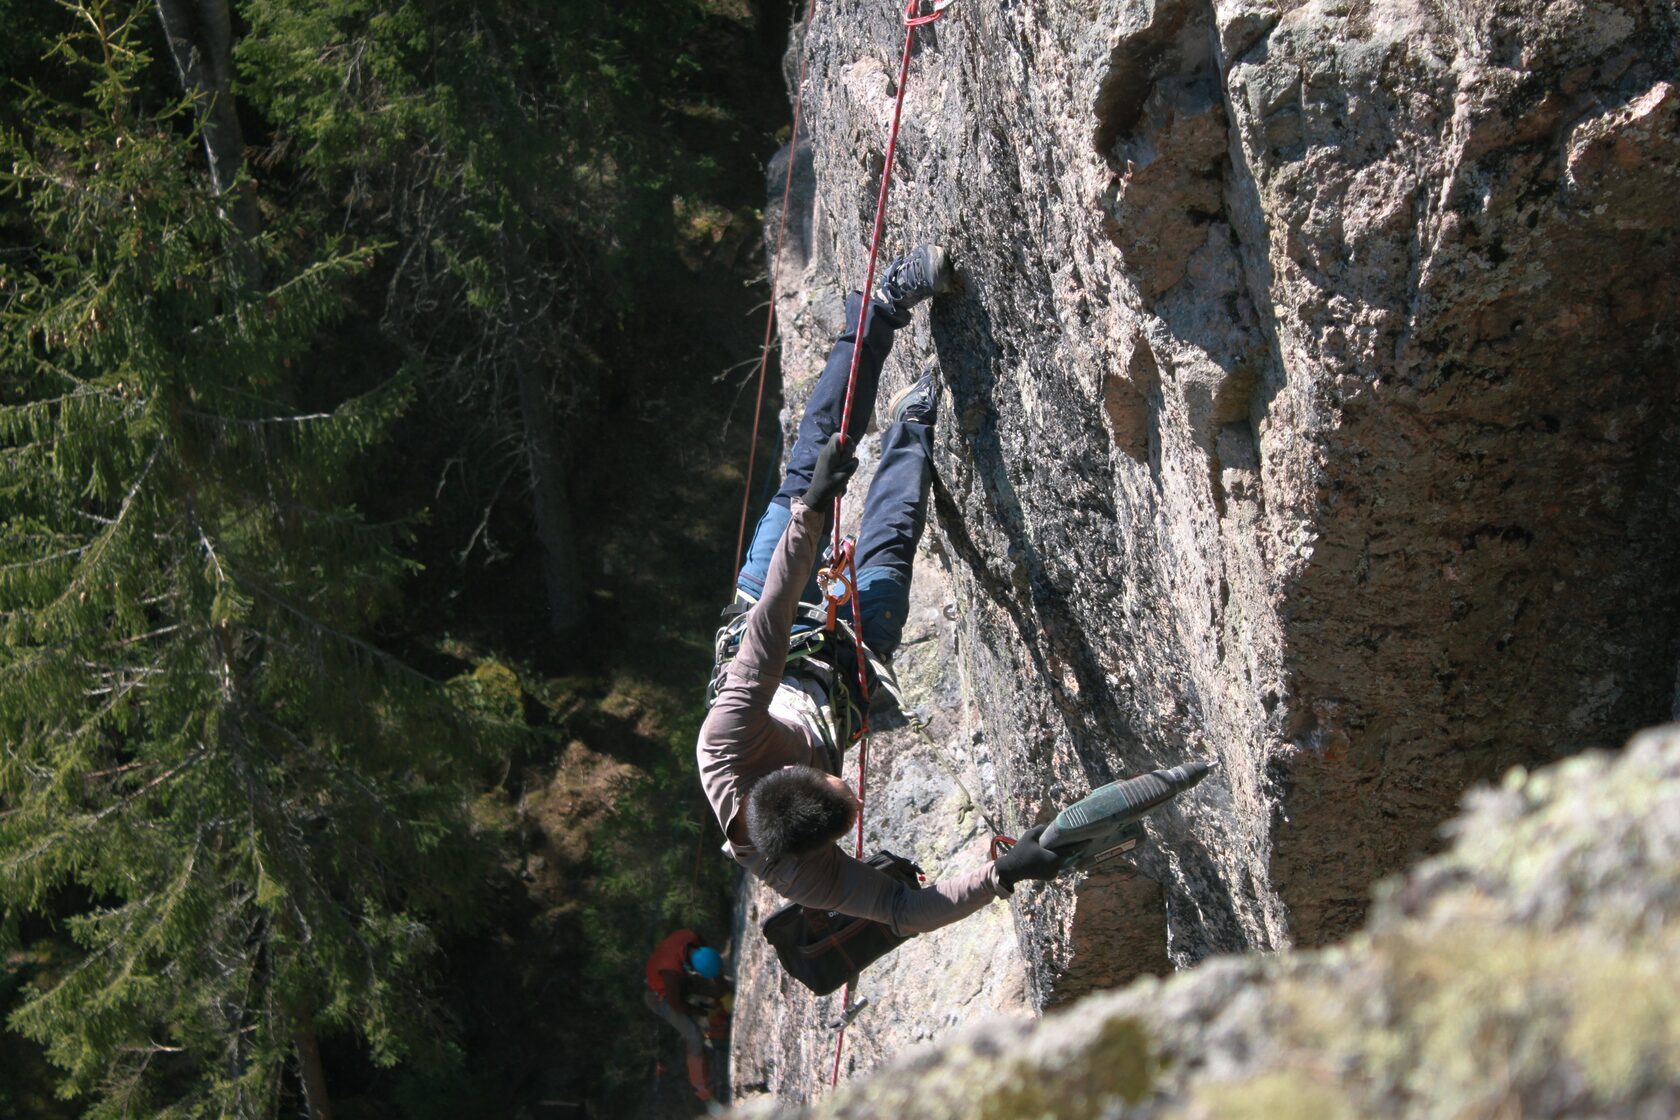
pixel 1532 970
pixel 1312 409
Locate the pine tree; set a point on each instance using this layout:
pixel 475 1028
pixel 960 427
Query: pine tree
pixel 504 147
pixel 267 811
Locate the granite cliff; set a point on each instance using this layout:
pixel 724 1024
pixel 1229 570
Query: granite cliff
pixel 1311 408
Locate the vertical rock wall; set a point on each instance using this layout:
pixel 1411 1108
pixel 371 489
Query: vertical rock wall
pixel 1313 408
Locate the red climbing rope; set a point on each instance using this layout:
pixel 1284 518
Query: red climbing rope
pixel 764 356
pixel 912 20
pixel 775 276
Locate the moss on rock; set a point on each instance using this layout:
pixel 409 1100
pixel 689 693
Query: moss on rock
pixel 1120 1066
pixel 1288 1092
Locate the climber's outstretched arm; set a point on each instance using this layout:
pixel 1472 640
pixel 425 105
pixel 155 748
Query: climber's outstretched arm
pixel 762 658
pixel 740 740
pixel 829 879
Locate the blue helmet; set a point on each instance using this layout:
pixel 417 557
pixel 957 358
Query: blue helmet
pixel 706 962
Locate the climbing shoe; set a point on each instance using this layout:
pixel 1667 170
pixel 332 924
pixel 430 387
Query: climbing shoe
pixel 920 274
pixel 919 402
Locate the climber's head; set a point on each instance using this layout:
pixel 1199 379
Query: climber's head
pixel 798 809
pixel 706 962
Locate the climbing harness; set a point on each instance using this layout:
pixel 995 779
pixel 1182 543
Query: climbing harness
pixel 809 638
pixel 815 654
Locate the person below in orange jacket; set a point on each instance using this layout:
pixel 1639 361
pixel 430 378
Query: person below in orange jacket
pixel 686 986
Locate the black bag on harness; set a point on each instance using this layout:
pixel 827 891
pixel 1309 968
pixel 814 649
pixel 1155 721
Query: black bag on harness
pixel 825 950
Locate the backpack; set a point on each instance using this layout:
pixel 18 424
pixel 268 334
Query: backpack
pixel 825 950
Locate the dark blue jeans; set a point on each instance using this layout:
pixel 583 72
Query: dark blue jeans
pixel 894 511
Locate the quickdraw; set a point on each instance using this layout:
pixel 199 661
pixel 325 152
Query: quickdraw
pixel 911 19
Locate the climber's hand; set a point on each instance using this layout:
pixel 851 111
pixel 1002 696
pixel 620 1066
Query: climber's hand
pixel 1028 859
pixel 835 464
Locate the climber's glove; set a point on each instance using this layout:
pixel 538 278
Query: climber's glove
pixel 835 464
pixel 1028 859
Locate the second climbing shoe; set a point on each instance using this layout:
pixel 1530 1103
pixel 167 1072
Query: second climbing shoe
pixel 918 403
pixel 918 275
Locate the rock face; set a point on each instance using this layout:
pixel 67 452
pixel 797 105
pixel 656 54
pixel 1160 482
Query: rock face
pixel 1312 408
pixel 1533 970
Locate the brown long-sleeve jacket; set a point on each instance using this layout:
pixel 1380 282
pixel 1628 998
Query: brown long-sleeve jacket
pixel 750 733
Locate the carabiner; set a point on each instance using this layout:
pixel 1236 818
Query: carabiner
pixel 911 19
pixel 837 579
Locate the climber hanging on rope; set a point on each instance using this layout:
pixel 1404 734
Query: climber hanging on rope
pixel 769 750
pixel 687 989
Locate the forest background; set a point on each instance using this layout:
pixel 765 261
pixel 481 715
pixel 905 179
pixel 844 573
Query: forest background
pixel 375 399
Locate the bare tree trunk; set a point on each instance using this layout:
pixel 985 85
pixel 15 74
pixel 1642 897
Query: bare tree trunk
pixel 200 36
pixel 562 573
pixel 316 1101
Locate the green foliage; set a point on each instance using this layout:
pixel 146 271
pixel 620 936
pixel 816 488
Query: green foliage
pixel 25 1091
pixel 494 689
pixel 31 28
pixel 212 777
pixel 514 159
pixel 268 810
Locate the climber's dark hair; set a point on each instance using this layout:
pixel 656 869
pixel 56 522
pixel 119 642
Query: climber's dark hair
pixel 796 810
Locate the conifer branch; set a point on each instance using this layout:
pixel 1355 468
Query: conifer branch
pixel 105 709
pixel 102 542
pixel 37 561
pixel 209 549
pixel 484 520
pixel 117 771
pixel 259 421
pixel 40 653
pixel 83 391
pixel 87 820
